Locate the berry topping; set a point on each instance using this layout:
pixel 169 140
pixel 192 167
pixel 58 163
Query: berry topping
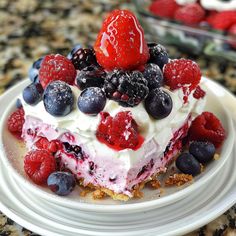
pixel 61 183
pixel 83 58
pixel 119 132
pixel 18 103
pixel 32 94
pixel 58 98
pixel 127 88
pixel 120 43
pixel 16 121
pixel 38 165
pixel 74 49
pixel 182 73
pixel 158 104
pixel 92 100
pixel 207 127
pixel 199 93
pixel 34 70
pixel 164 8
pixel 91 76
pixel 190 14
pixel 51 146
pixel 152 73
pixel 158 54
pixel 187 164
pixel 56 67
pixel 202 151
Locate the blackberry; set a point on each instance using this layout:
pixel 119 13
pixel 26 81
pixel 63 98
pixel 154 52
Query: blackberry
pixel 127 88
pixel 83 58
pixel 158 54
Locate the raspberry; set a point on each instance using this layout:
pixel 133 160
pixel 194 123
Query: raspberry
pixel 207 127
pixel 199 93
pixel 113 50
pixel 127 88
pixel 164 8
pixel 119 132
pixel 222 20
pixel 51 146
pixel 190 14
pixel 182 73
pixel 16 121
pixel 56 67
pixel 38 165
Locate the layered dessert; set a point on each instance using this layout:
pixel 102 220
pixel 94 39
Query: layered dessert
pixel 112 117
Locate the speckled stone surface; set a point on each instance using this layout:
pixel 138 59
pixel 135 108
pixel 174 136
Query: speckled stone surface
pixel 31 28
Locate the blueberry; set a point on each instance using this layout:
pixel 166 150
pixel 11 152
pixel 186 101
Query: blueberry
pixel 18 103
pixel 61 183
pixel 34 70
pixel 153 75
pixel 58 98
pixel 158 54
pixel 92 100
pixel 202 151
pixel 158 104
pixel 75 48
pixel 187 164
pixel 91 76
pixel 32 94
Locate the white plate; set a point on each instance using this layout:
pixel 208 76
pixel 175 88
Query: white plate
pixel 12 156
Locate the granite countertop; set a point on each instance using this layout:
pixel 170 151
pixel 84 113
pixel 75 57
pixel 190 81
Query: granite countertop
pixel 31 28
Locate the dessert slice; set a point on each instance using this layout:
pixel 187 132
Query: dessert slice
pixel 114 116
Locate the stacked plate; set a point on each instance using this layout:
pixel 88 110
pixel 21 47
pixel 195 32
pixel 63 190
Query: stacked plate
pixel 176 212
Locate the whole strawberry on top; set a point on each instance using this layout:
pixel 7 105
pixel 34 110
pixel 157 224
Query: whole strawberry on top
pixel 120 43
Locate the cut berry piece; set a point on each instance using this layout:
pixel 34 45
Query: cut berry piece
pixel 119 132
pixel 120 43
pixel 34 70
pixel 56 67
pixel 91 76
pixel 74 49
pixel 182 73
pixel 74 149
pixel 153 74
pixel 207 127
pixel 164 8
pixel 32 94
pixel 190 14
pixel 158 104
pixel 58 98
pixel 202 151
pixel 38 165
pixel 51 146
pixel 127 88
pixel 158 54
pixel 92 100
pixel 16 121
pixel 187 164
pixel 222 20
pixel 83 58
pixel 61 183
pixel 199 93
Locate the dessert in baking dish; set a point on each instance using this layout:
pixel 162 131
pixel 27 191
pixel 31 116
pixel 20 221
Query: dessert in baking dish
pixel 112 117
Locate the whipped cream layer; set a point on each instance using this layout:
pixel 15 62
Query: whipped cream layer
pixel 125 165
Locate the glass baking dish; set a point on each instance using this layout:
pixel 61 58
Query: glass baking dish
pixel 193 40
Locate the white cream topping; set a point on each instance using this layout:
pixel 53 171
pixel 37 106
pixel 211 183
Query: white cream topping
pixel 183 2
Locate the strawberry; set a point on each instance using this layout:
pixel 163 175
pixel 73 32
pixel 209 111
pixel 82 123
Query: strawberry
pixel 51 146
pixel 56 67
pixel 16 121
pixel 120 43
pixel 207 127
pixel 222 20
pixel 38 165
pixel 119 132
pixel 182 73
pixel 164 8
pixel 190 14
pixel 199 93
